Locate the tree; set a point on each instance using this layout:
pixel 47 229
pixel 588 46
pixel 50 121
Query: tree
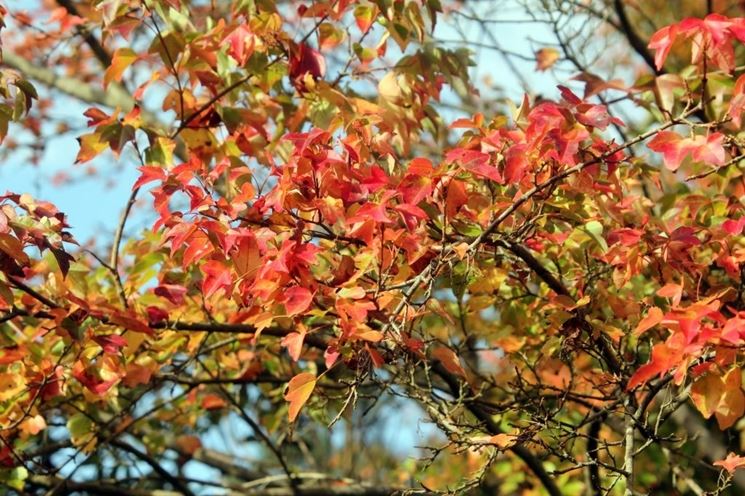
pixel 350 231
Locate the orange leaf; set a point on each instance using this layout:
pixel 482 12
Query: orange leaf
pixel 503 441
pixel 732 403
pixel 213 402
pixel 123 58
pixel 294 344
pixel 364 16
pixel 546 58
pixel 705 394
pixel 90 146
pixel 13 247
pixel 654 317
pixel 299 390
pixel 449 360
pixel 731 463
pixel 33 425
pixel 297 300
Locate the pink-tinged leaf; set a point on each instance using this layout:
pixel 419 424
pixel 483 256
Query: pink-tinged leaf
pixel 737 102
pixel 216 276
pixel 297 300
pixel 516 163
pixel 670 145
pixel 734 227
pixel 475 162
pixel 675 148
pixel 330 356
pixel 487 171
pixel 709 149
pixel 654 316
pixel 241 44
pixel 732 463
pixel 661 42
pixel 294 344
pixel 626 236
pixel 298 392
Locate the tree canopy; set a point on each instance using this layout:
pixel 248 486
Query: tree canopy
pixel 509 232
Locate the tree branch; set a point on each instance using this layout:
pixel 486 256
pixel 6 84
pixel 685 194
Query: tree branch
pixel 157 467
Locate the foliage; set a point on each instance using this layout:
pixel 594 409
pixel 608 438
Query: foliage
pixel 557 285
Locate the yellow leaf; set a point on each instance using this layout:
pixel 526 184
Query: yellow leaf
pixel 90 146
pixel 299 390
pixel 123 58
pixel 33 425
pixel 389 87
pixel 545 58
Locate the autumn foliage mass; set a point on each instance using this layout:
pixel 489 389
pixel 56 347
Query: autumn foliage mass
pixel 363 255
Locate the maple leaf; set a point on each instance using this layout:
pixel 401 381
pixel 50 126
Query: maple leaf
pixel 675 148
pixel 298 392
pixel 449 360
pixel 240 43
pixel 296 300
pixel 111 343
pixel 122 58
pixel 217 276
pixel 654 316
pixel 720 396
pixel 663 359
pixel 732 463
pixel 661 42
pixel 294 344
pixel 305 60
pixel 546 58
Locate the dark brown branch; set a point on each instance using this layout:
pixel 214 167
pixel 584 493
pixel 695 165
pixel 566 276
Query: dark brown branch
pixel 153 463
pixel 635 41
pixel 98 50
pixel 492 427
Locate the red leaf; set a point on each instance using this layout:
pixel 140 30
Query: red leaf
pixel 171 292
pixel 149 173
pixel 216 276
pixel 305 60
pixel 661 42
pixel 111 343
pixel 241 44
pixel 297 300
pixel 675 148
